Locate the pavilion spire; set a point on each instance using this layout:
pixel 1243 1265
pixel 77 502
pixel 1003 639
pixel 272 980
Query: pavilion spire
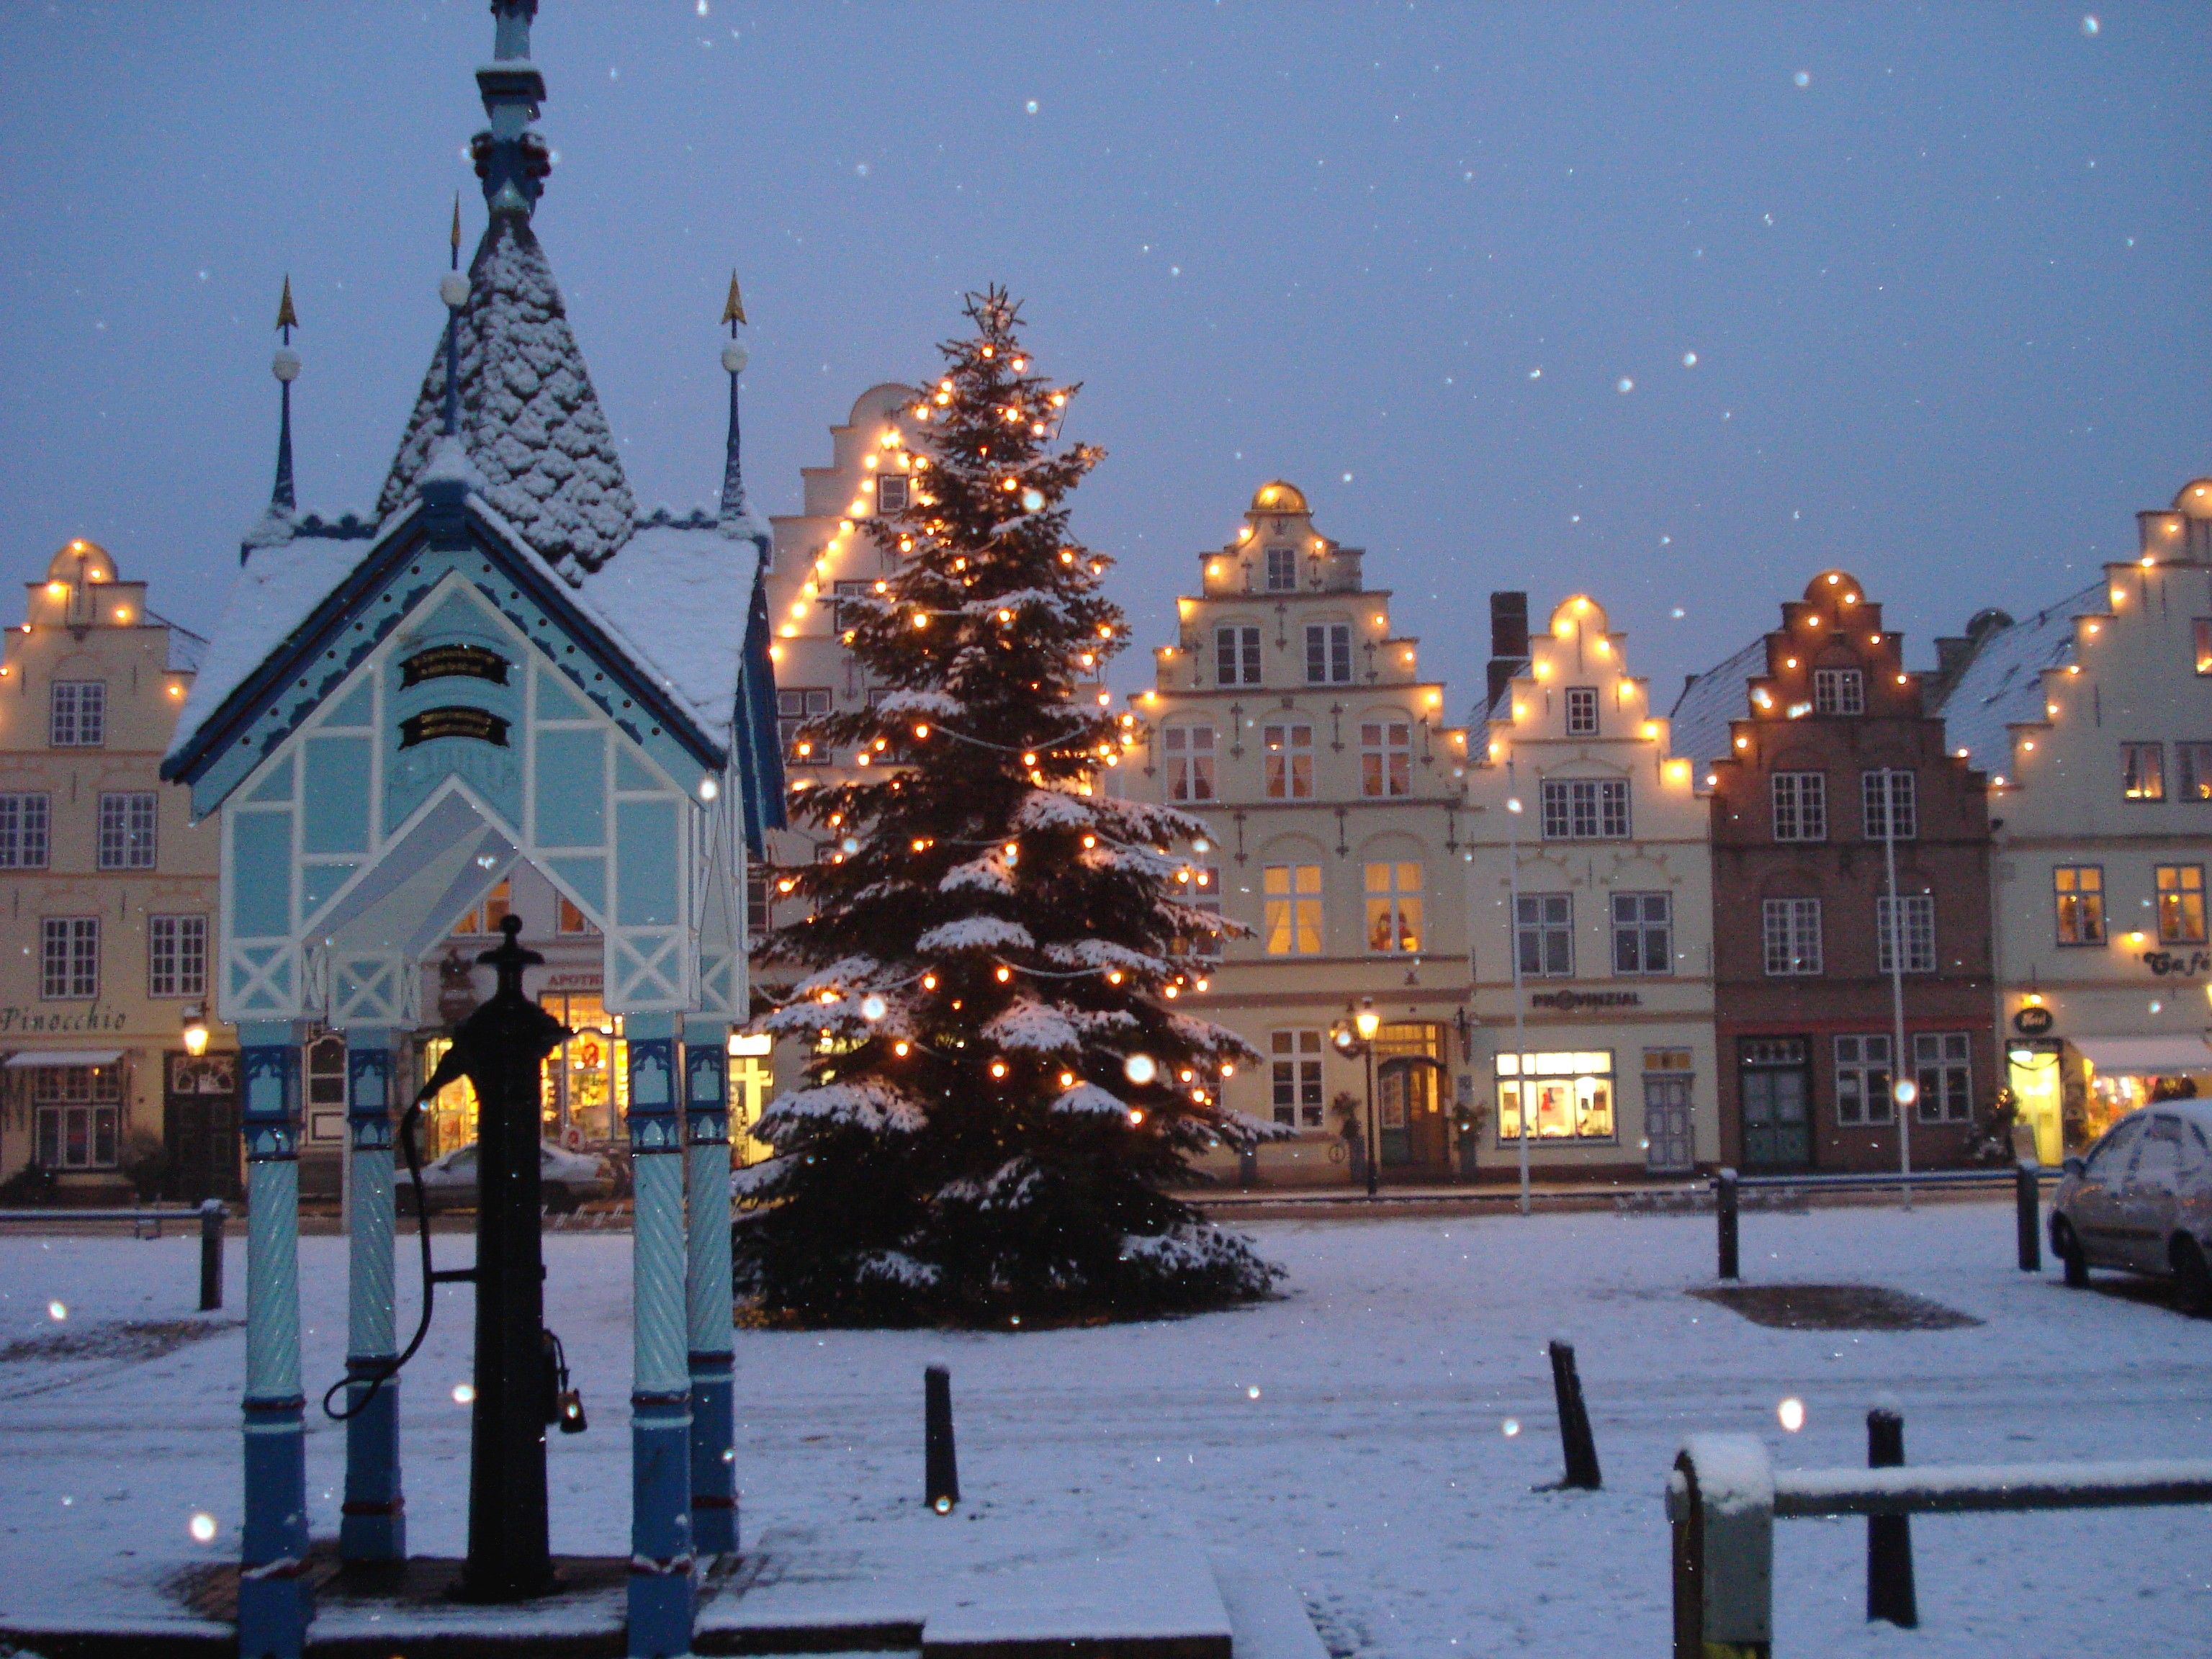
pixel 510 157
pixel 737 517
pixel 283 499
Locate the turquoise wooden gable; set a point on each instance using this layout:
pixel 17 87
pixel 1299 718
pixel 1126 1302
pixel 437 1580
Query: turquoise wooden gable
pixel 385 732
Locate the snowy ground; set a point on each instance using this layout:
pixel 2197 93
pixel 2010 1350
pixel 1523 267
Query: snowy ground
pixel 1355 1428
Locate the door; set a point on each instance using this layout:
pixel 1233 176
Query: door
pixel 2093 1209
pixel 200 1127
pixel 1777 1094
pixel 1410 1116
pixel 2151 1195
pixel 1667 1146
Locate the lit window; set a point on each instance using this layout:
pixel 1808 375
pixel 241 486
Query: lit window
pixel 1889 804
pixel 2204 628
pixel 2078 892
pixel 1394 905
pixel 569 920
pixel 486 917
pixel 1237 656
pixel 1916 922
pixel 176 956
pixel 1581 711
pixel 1571 1095
pixel 68 957
pixel 1289 751
pixel 127 831
pixel 23 822
pixel 1839 692
pixel 1282 569
pixel 1386 757
pixel 796 705
pixel 2180 904
pixel 1329 653
pixel 1291 895
pixel 1643 933
pixel 2143 767
pixel 1187 751
pixel 1801 806
pixel 78 715
pixel 1790 930
pixel 1585 809
pixel 1296 1060
pixel 1203 894
pixel 2192 771
pixel 1862 1096
pixel 1942 1064
pixel 1544 935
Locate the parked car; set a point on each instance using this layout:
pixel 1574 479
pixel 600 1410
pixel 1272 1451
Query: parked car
pixel 566 1180
pixel 2141 1200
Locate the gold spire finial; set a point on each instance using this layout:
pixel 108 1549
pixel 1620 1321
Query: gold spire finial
pixel 454 242
pixel 733 309
pixel 286 317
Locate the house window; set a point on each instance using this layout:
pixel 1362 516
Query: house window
pixel 1292 896
pixel 2203 626
pixel 795 705
pixel 843 613
pixel 1544 935
pixel 2078 892
pixel 1289 749
pixel 1394 905
pixel 1237 656
pixel 485 917
pixel 1862 1095
pixel 1386 757
pixel 2143 767
pixel 1916 924
pixel 890 492
pixel 1189 752
pixel 1839 692
pixel 1586 809
pixel 2181 905
pixel 1791 928
pixel 1889 804
pixel 1296 1058
pixel 23 820
pixel 1581 711
pixel 1282 569
pixel 77 1114
pixel 77 716
pixel 68 957
pixel 176 956
pixel 2192 771
pixel 127 831
pixel 568 919
pixel 1329 653
pixel 759 917
pixel 1203 894
pixel 1801 806
pixel 1642 932
pixel 1942 1064
pixel 1571 1094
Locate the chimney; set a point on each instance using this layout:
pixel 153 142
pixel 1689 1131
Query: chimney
pixel 1509 642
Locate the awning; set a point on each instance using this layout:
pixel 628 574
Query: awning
pixel 34 1057
pixel 2143 1057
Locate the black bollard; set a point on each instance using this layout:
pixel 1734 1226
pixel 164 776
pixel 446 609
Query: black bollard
pixel 1575 1437
pixel 1889 1537
pixel 211 1217
pixel 940 1473
pixel 1724 1207
pixel 2027 1198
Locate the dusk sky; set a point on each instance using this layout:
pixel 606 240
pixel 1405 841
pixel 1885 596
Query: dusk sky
pixel 1673 305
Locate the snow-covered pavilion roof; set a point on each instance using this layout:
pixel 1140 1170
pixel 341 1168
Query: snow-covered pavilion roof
pixel 1697 729
pixel 2004 684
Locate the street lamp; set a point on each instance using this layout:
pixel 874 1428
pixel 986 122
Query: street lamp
pixel 1354 1038
pixel 196 1031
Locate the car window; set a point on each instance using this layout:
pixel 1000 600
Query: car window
pixel 2194 1152
pixel 2160 1158
pixel 463 1159
pixel 2110 1156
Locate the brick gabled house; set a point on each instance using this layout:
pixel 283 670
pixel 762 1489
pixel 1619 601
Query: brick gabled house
pixel 1822 758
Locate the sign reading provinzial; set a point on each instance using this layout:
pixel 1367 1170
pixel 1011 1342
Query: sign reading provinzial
pixel 443 662
pixel 1567 1001
pixel 458 721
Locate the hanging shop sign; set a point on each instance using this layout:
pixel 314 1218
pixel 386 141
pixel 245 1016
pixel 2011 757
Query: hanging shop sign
pixel 1567 1001
pixel 459 721
pixel 2033 1021
pixel 445 662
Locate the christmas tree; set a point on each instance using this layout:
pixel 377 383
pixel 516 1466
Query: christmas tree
pixel 1003 1081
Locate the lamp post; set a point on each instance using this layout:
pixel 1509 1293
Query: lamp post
pixel 1520 1007
pixel 1354 1038
pixel 195 1031
pixel 1904 1088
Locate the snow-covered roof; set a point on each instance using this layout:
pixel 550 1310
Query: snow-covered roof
pixel 2004 682
pixel 528 414
pixel 186 648
pixel 1698 727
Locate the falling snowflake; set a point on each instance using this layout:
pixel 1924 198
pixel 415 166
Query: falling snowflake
pixel 57 1310
pixel 1031 107
pixel 1803 77
pixel 1790 1414
pixel 2089 24
pixel 1624 386
pixel 1509 1427
pixel 202 1525
pixel 1689 360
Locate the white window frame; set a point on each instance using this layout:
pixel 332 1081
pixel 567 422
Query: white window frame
pixel 1585 809
pixel 1329 653
pixel 1395 904
pixel 1284 744
pixel 893 491
pixel 1790 934
pixel 1943 1065
pixel 1280 574
pixel 1839 692
pixel 1296 1088
pixel 1237 654
pixel 1889 802
pixel 1644 918
pixel 1386 758
pixel 128 822
pixel 1919 929
pixel 26 829
pixel 77 714
pixel 1799 802
pixel 176 956
pixel 1291 907
pixel 1544 935
pixel 1203 892
pixel 90 1097
pixel 1864 1099
pixel 69 958
pixel 796 705
pixel 1581 711
pixel 2143 771
pixel 1187 755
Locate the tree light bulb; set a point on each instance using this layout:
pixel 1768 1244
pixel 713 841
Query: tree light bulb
pixel 1140 1069
pixel 873 1008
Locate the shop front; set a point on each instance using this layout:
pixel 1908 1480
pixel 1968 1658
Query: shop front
pixel 2069 1090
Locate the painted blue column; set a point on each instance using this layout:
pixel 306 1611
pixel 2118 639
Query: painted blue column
pixel 274 1603
pixel 708 1293
pixel 372 1524
pixel 660 1401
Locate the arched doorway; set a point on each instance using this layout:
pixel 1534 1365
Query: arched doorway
pixel 1412 1130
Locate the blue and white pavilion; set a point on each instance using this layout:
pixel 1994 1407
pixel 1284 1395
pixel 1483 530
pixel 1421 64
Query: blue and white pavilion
pixel 512 664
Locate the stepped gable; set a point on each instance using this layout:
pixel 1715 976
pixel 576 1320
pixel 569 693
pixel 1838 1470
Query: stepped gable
pixel 529 417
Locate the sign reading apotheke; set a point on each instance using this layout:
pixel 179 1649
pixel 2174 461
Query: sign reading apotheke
pixel 17 1020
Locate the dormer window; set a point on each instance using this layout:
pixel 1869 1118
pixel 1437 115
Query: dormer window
pixel 1839 692
pixel 1581 711
pixel 890 492
pixel 1282 571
